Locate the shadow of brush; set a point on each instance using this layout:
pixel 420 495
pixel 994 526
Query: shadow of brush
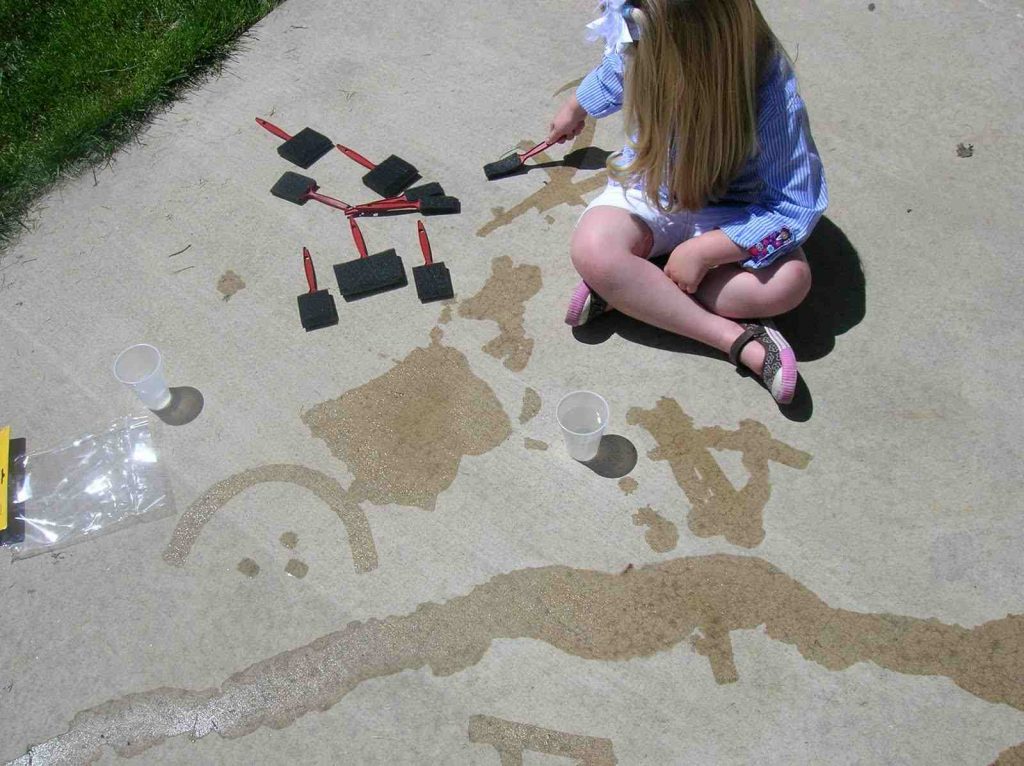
pixel 584 158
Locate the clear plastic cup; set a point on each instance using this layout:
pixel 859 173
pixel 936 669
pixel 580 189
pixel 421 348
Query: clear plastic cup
pixel 141 368
pixel 583 418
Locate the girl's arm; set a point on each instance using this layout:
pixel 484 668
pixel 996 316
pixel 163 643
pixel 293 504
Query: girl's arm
pixel 599 95
pixel 795 193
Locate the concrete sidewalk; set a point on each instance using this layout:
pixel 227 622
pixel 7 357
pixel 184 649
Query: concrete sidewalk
pixel 380 552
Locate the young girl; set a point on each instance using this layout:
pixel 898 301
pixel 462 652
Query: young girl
pixel 720 171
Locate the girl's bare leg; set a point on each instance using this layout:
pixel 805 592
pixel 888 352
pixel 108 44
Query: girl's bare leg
pixel 604 251
pixel 731 291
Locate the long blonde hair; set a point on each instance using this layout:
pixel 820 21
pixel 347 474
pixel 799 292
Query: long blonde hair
pixel 691 97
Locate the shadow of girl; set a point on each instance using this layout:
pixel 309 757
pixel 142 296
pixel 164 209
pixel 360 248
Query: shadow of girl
pixel 837 301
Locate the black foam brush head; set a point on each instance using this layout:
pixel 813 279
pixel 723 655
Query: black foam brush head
pixel 432 189
pixel 305 147
pixel 433 282
pixel 440 206
pixel 293 187
pixel 374 274
pixel 317 310
pixel 502 167
pixel 391 177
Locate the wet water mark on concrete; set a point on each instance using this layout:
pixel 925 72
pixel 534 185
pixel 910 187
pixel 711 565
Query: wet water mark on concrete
pixel 503 300
pixel 531 406
pixel 717 508
pixel 662 535
pixel 535 444
pixel 512 740
pixel 229 284
pixel 248 567
pixel 1012 756
pixel 696 601
pixel 328 490
pixel 296 568
pixel 404 434
pixel 628 485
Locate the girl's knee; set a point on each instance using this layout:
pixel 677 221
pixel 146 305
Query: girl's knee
pixel 597 249
pixel 800 275
pixel 595 261
pixel 799 278
pixel 792 283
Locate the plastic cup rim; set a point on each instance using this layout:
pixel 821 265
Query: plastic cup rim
pixel 597 430
pixel 150 374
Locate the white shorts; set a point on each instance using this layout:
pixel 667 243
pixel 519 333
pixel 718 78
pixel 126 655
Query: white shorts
pixel 669 229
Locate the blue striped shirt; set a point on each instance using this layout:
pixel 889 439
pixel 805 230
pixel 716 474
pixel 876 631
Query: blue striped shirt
pixel 781 193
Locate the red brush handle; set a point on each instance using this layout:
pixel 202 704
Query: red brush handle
pixel 390 204
pixel 273 129
pixel 428 256
pixel 329 201
pixel 307 263
pixel 357 236
pixel 354 155
pixel 536 150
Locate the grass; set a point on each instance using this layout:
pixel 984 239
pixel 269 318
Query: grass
pixel 79 77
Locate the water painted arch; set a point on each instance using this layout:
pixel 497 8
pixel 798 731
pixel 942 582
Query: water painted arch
pixel 327 489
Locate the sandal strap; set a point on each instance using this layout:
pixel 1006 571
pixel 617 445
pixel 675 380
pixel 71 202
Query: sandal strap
pixel 752 332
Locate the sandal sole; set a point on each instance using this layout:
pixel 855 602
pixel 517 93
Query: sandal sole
pixel 783 386
pixel 578 302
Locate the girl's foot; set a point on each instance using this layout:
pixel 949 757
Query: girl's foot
pixel 778 371
pixel 584 306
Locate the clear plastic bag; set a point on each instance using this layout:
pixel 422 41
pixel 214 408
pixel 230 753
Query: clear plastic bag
pixel 97 483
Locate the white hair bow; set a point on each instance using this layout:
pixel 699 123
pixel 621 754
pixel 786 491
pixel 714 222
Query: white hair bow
pixel 615 27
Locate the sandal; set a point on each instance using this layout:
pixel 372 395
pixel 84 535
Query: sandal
pixel 779 373
pixel 584 306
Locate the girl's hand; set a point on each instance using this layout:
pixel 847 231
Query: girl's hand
pixel 687 267
pixel 568 122
pixel 691 261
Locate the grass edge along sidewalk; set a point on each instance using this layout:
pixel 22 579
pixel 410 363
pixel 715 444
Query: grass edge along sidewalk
pixel 79 78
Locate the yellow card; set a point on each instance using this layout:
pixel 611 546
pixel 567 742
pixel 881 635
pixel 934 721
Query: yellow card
pixel 5 449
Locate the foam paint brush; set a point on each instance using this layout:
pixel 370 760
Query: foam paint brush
pixel 369 274
pixel 424 206
pixel 432 189
pixel 316 308
pixel 513 162
pixel 388 178
pixel 299 189
pixel 302 149
pixel 433 281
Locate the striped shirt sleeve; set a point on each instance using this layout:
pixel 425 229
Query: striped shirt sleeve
pixel 794 194
pixel 600 93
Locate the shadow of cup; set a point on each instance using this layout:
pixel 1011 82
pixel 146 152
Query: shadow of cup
pixel 616 457
pixel 186 404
